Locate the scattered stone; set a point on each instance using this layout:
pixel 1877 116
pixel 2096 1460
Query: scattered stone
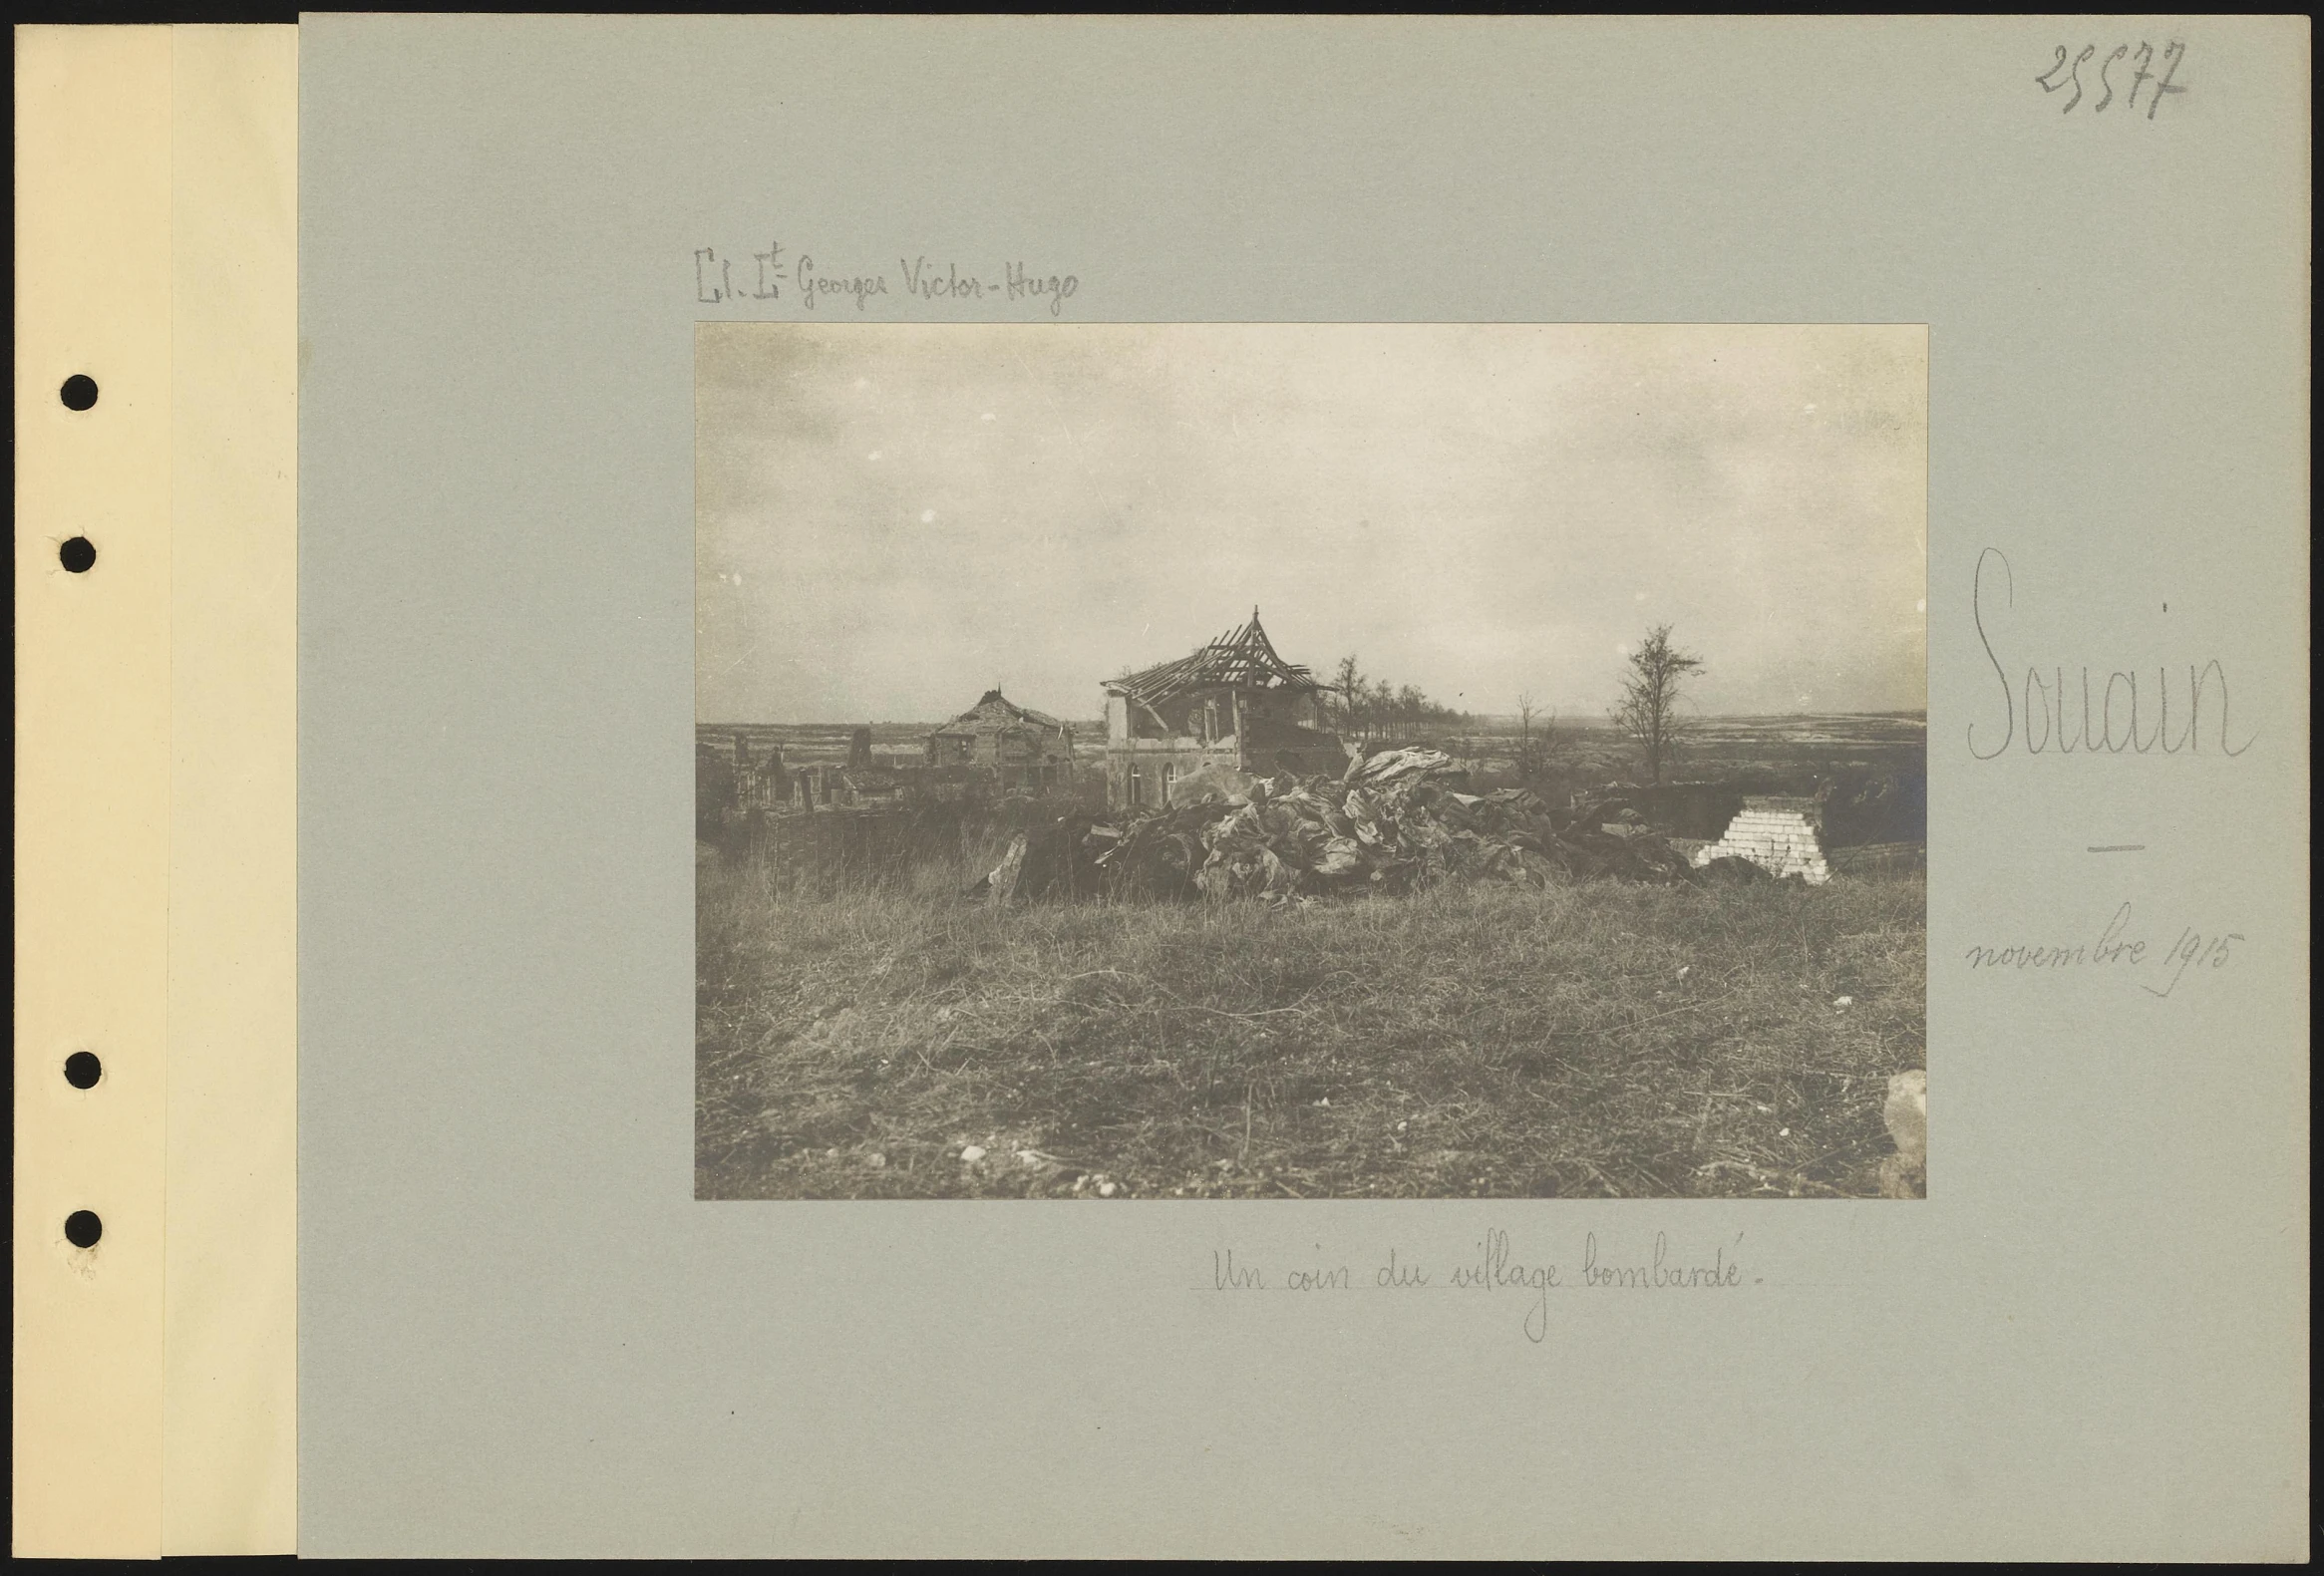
pixel 1900 1179
pixel 1106 1189
pixel 1907 1113
pixel 1905 1175
pixel 1844 1001
pixel 974 1154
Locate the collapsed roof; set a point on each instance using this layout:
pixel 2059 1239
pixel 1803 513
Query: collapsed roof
pixel 993 709
pixel 1241 659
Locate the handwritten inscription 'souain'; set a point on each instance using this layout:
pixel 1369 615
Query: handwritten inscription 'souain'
pixel 2120 715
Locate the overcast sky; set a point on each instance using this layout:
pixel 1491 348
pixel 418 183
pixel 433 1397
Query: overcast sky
pixel 894 517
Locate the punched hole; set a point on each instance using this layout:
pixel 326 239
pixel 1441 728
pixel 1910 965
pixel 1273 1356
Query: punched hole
pixel 83 1070
pixel 78 555
pixel 82 1229
pixel 79 392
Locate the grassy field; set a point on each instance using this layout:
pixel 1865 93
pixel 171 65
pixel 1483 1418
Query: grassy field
pixel 1592 1040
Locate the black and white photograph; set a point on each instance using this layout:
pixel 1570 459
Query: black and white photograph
pixel 1146 762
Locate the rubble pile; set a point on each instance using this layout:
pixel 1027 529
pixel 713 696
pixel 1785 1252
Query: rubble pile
pixel 1395 821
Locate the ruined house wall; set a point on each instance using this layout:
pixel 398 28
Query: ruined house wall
pixel 1777 834
pixel 1213 731
pixel 1016 757
pixel 734 782
pixel 1140 771
pixel 1024 745
pixel 1026 759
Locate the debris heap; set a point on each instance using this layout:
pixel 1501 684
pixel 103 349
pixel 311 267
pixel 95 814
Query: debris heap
pixel 1395 821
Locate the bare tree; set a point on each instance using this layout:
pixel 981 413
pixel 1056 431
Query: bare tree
pixel 1651 690
pixel 1367 708
pixel 1412 710
pixel 1540 740
pixel 1347 683
pixel 1549 743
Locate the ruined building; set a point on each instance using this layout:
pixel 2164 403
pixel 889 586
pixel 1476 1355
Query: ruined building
pixel 748 782
pixel 1233 708
pixel 735 788
pixel 1011 748
pixel 1779 834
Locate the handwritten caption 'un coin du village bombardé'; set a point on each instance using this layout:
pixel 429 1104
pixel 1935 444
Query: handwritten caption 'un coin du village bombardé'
pixel 821 285
pixel 1486 1270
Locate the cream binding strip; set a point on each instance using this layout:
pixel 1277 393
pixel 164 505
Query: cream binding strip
pixel 157 254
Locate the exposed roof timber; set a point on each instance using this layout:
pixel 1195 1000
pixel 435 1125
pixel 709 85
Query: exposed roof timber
pixel 997 711
pixel 1240 659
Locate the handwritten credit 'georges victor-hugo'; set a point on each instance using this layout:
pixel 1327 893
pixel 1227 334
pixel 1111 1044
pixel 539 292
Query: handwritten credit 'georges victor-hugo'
pixel 815 284
pixel 2121 715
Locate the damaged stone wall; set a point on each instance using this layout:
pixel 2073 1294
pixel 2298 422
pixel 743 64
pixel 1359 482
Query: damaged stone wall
pixel 1185 748
pixel 1779 836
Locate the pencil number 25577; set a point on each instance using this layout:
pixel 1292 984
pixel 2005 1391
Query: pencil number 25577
pixel 2066 73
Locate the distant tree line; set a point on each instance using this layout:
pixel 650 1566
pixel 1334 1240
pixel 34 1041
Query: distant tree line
pixel 1367 708
pixel 1650 715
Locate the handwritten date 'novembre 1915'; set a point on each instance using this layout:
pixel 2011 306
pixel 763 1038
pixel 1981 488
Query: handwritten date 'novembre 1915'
pixel 2117 951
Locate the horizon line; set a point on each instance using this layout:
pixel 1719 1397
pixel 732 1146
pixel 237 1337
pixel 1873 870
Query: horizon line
pixel 897 722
